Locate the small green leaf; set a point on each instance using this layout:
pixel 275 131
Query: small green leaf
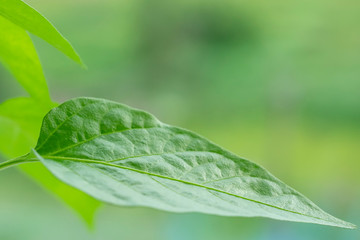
pixel 127 157
pixel 29 19
pixel 18 54
pixel 20 122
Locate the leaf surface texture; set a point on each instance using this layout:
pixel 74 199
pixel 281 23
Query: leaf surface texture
pixel 127 157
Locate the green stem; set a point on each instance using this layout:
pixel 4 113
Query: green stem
pixel 16 161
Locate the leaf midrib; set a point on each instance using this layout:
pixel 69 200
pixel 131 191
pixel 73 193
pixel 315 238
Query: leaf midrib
pixel 182 181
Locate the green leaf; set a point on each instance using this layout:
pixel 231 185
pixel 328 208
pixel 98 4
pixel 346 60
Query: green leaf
pixel 127 157
pixel 29 19
pixel 18 54
pixel 20 122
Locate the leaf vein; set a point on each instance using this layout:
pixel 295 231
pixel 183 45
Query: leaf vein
pixel 185 182
pixel 61 124
pixel 94 137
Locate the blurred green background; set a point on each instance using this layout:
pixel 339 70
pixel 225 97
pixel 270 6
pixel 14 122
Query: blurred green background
pixel 277 82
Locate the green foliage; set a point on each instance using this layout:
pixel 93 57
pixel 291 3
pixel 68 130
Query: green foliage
pixel 18 54
pixel 29 19
pixel 20 118
pixel 127 157
pixel 20 122
pixel 124 156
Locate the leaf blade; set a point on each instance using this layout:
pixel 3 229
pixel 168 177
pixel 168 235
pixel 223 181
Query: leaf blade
pixel 20 122
pixel 127 157
pixel 18 54
pixel 29 19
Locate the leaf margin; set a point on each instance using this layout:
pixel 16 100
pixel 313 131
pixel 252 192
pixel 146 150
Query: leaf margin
pixel 44 159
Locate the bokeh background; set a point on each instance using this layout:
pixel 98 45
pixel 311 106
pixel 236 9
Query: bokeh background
pixel 277 82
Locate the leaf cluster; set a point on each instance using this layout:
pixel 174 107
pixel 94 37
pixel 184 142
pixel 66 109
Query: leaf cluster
pixel 94 150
